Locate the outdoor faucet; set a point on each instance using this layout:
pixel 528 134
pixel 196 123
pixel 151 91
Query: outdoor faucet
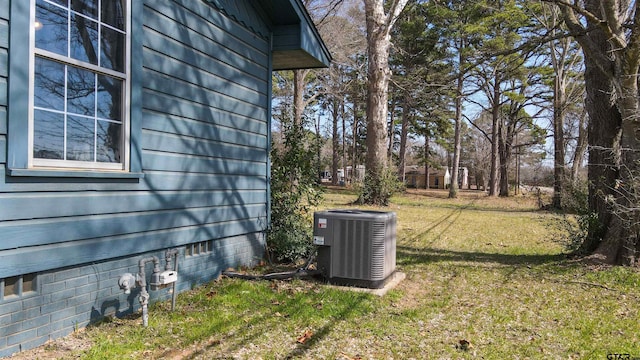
pixel 127 282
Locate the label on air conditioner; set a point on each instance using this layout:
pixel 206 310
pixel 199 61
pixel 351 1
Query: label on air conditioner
pixel 322 223
pixel 318 240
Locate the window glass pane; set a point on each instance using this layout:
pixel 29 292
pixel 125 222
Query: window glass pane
pixel 86 7
pixel 109 98
pixel 51 28
pixel 108 138
pixel 112 49
pixel 81 87
pixel 48 88
pixel 48 135
pixel 84 39
pixel 113 13
pixel 80 138
pixel 79 112
pixel 28 283
pixel 11 286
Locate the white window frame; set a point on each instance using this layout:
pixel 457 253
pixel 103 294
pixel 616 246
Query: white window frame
pixel 39 163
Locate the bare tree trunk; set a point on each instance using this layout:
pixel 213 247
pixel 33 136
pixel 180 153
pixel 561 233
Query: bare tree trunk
pixel 581 148
pixel 354 151
pixel 559 102
pixel 620 243
pixel 495 128
pixel 377 93
pixel 344 139
pixel 298 96
pixel 604 129
pixel 335 141
pixel 426 162
pixel 507 133
pixel 403 139
pixel 558 54
pixel 453 188
pixel 604 134
pixel 391 135
pixel 504 156
pixel 319 150
pixel 626 214
pixel 379 26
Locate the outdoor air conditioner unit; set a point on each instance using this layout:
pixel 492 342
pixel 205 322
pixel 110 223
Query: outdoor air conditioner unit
pixel 356 247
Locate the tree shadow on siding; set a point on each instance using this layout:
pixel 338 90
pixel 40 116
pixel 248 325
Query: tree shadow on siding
pixel 205 133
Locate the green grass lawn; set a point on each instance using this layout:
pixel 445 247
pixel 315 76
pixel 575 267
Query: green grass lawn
pixel 485 279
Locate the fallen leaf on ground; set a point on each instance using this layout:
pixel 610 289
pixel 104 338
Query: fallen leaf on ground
pixel 304 337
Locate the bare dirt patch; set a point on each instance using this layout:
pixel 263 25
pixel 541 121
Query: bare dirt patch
pixel 68 347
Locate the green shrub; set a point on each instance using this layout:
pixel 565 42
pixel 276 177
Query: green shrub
pixel 580 222
pixel 575 198
pixel 379 191
pixel 294 193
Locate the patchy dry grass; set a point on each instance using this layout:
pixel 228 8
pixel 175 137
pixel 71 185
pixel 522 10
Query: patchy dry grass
pixel 485 279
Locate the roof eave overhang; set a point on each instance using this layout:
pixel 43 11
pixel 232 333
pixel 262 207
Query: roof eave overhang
pixel 297 44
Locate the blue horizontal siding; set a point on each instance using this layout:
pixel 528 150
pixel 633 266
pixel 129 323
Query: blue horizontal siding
pixel 165 103
pixel 249 76
pixel 204 135
pixel 153 181
pixel 160 181
pixel 4 33
pixel 4 9
pixel 212 51
pixel 39 258
pixel 56 205
pixel 3 120
pixel 199 26
pixel 17 234
pixel 3 149
pixel 3 91
pixel 172 68
pixel 4 62
pixel 244 35
pixel 241 11
pixel 201 147
pixel 189 93
pixel 192 128
pixel 194 164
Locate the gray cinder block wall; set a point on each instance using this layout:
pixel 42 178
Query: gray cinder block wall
pixel 71 298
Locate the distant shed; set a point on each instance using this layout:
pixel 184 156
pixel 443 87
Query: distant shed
pixel 438 178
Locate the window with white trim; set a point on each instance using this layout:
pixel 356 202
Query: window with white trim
pixel 79 116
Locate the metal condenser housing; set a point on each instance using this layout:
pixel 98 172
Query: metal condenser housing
pixel 356 247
